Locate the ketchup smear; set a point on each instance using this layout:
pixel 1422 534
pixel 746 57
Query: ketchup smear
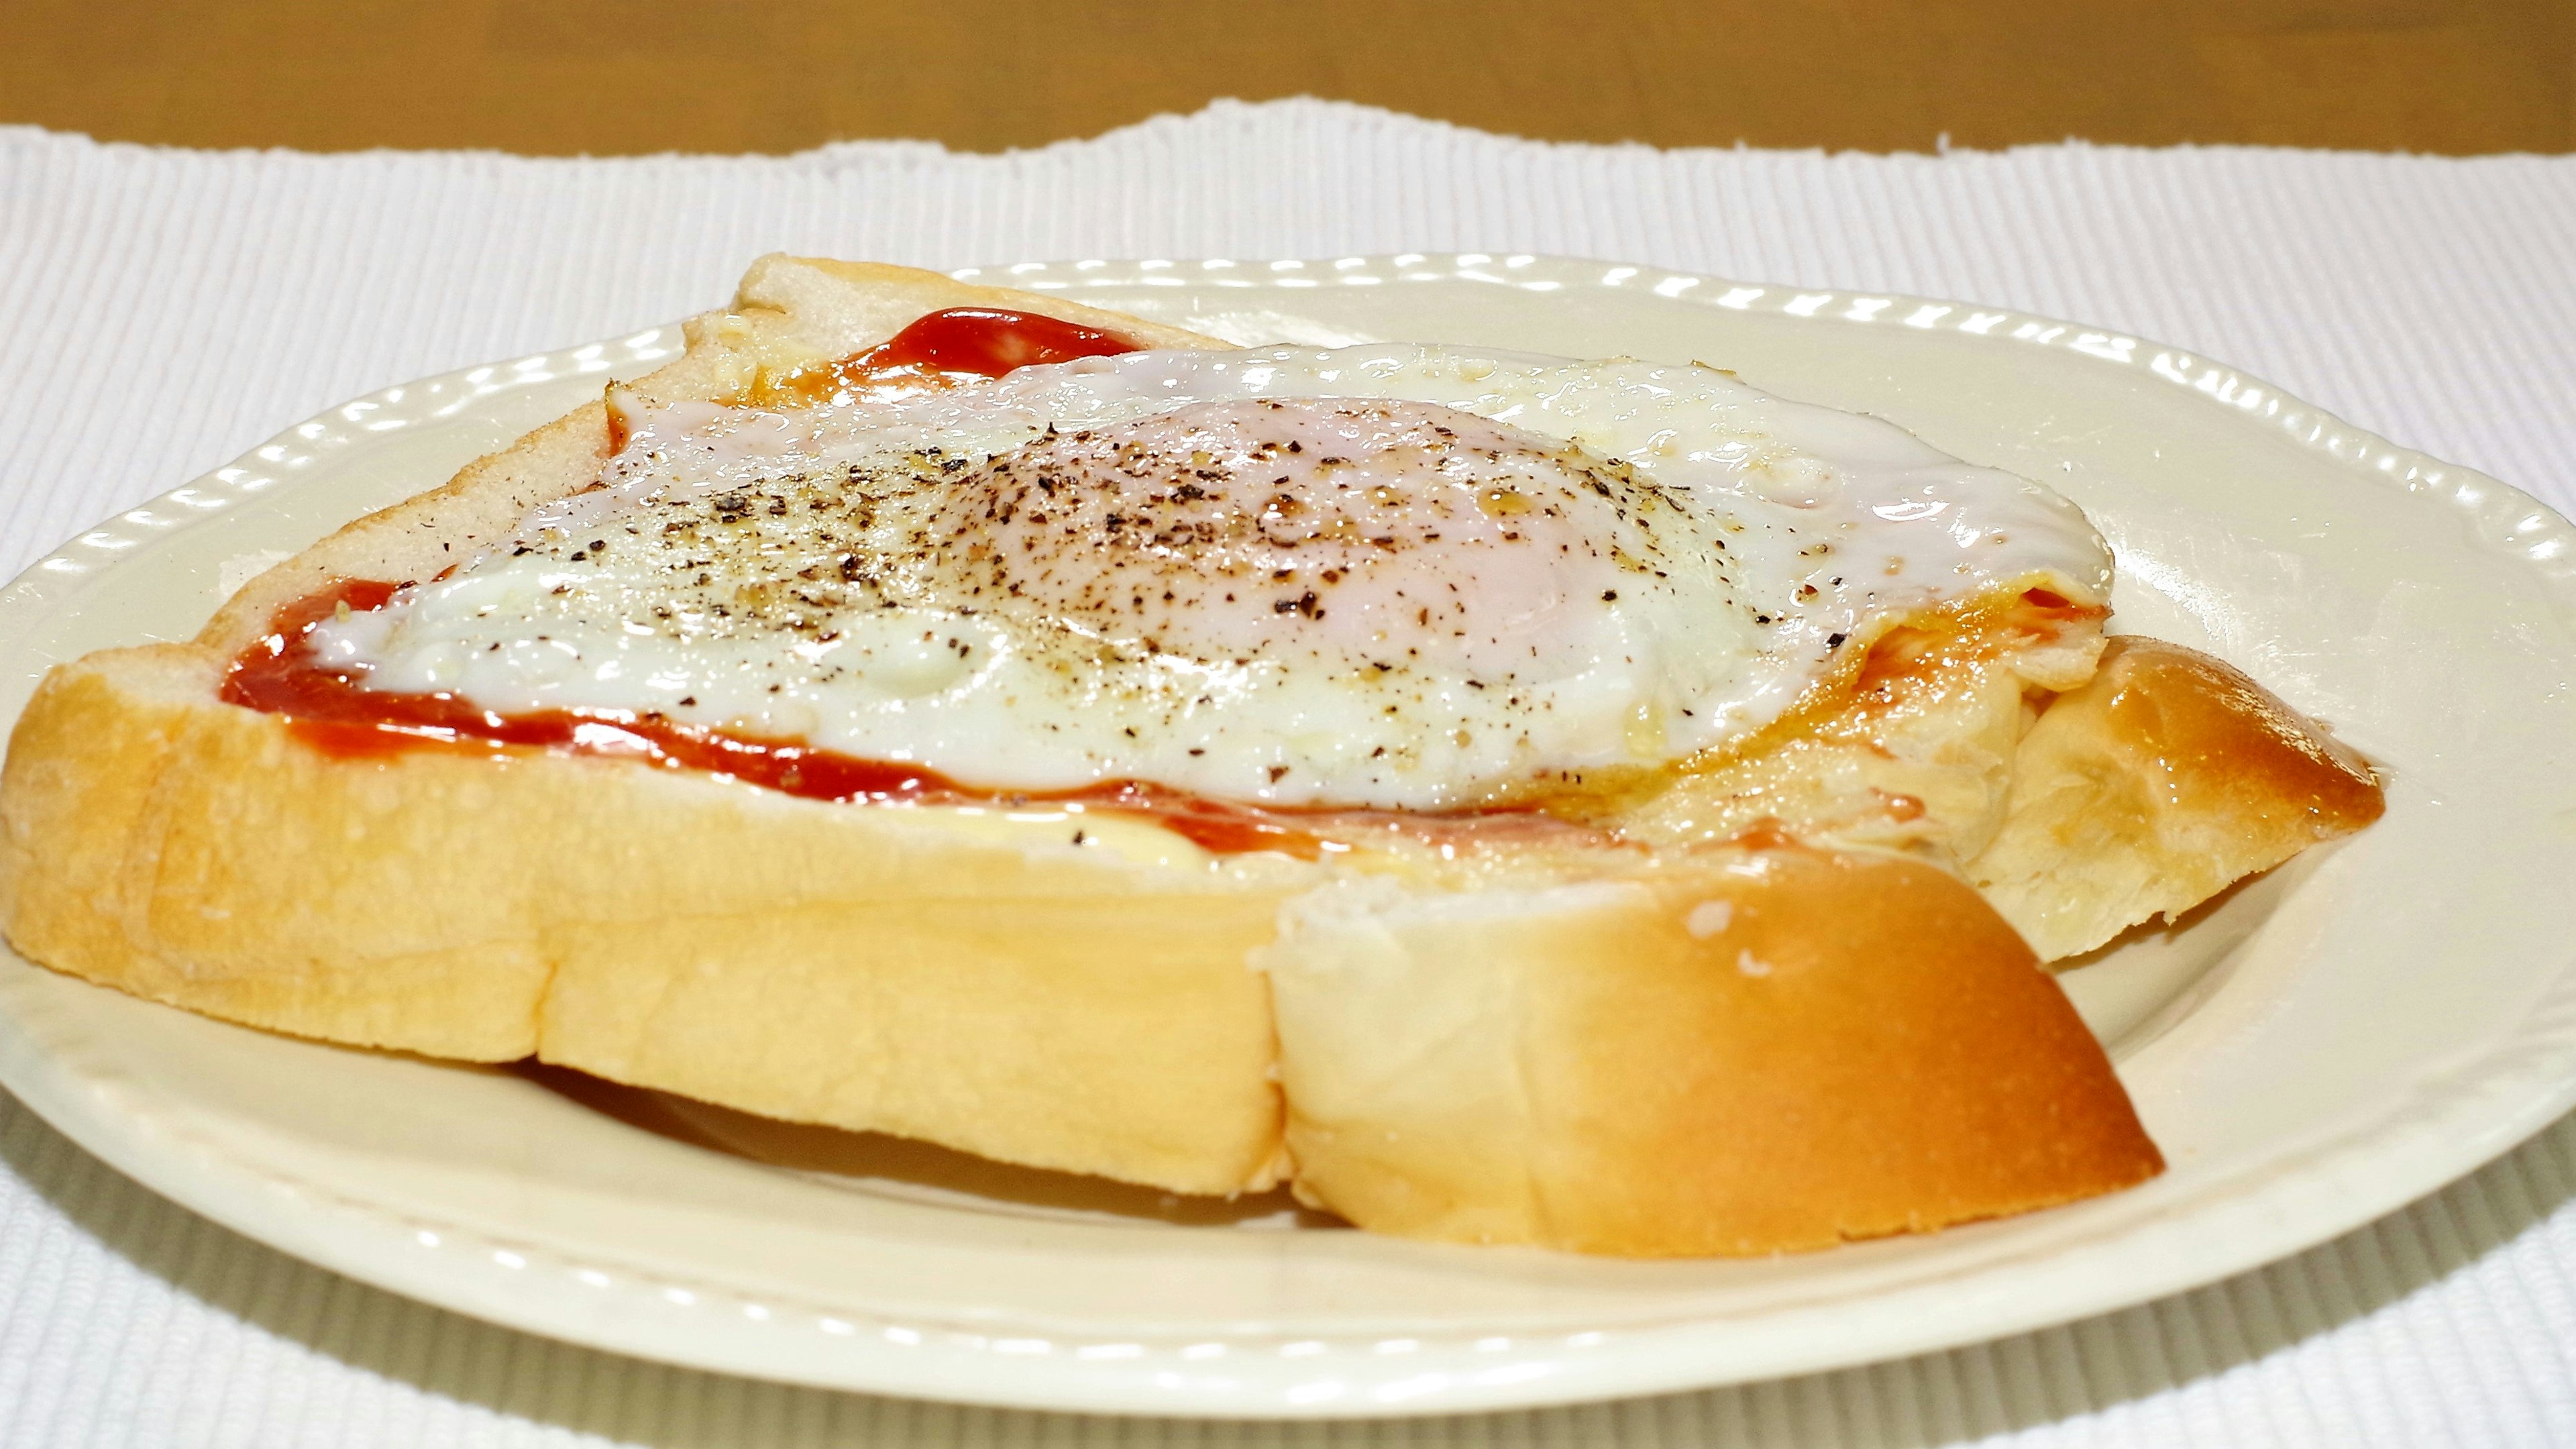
pixel 962 341
pixel 330 710
pixel 988 342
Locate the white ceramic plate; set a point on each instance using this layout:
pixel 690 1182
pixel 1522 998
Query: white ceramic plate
pixel 2319 1048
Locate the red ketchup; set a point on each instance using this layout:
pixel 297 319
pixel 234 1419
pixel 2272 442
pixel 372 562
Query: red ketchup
pixel 938 347
pixel 987 342
pixel 960 342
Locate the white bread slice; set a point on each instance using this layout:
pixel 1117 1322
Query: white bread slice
pixel 992 988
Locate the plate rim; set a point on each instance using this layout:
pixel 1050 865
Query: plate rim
pixel 2521 1083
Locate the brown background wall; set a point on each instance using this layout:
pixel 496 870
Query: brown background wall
pixel 609 76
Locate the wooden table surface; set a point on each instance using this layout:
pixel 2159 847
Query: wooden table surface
pixel 608 76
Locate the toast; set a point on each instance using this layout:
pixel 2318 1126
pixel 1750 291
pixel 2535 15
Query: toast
pixel 1781 995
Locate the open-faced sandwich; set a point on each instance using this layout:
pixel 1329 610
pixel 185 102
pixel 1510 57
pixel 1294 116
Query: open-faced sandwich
pixel 1511 799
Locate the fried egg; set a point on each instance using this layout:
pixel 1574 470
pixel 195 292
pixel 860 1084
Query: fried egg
pixel 1389 576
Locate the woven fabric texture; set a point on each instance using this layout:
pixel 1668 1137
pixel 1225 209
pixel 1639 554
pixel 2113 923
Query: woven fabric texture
pixel 164 311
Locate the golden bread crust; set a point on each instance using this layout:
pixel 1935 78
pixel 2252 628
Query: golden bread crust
pixel 2156 785
pixel 1745 1051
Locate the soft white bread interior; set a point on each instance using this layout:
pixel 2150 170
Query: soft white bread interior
pixel 1914 750
pixel 1708 1038
pixel 2166 777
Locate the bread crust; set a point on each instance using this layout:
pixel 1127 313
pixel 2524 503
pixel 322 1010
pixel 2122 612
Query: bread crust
pixel 1000 989
pixel 1743 1051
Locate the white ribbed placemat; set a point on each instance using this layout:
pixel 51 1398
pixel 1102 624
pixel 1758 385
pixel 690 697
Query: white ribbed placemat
pixel 162 311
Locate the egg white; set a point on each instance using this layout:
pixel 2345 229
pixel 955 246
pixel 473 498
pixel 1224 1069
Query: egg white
pixel 1470 570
